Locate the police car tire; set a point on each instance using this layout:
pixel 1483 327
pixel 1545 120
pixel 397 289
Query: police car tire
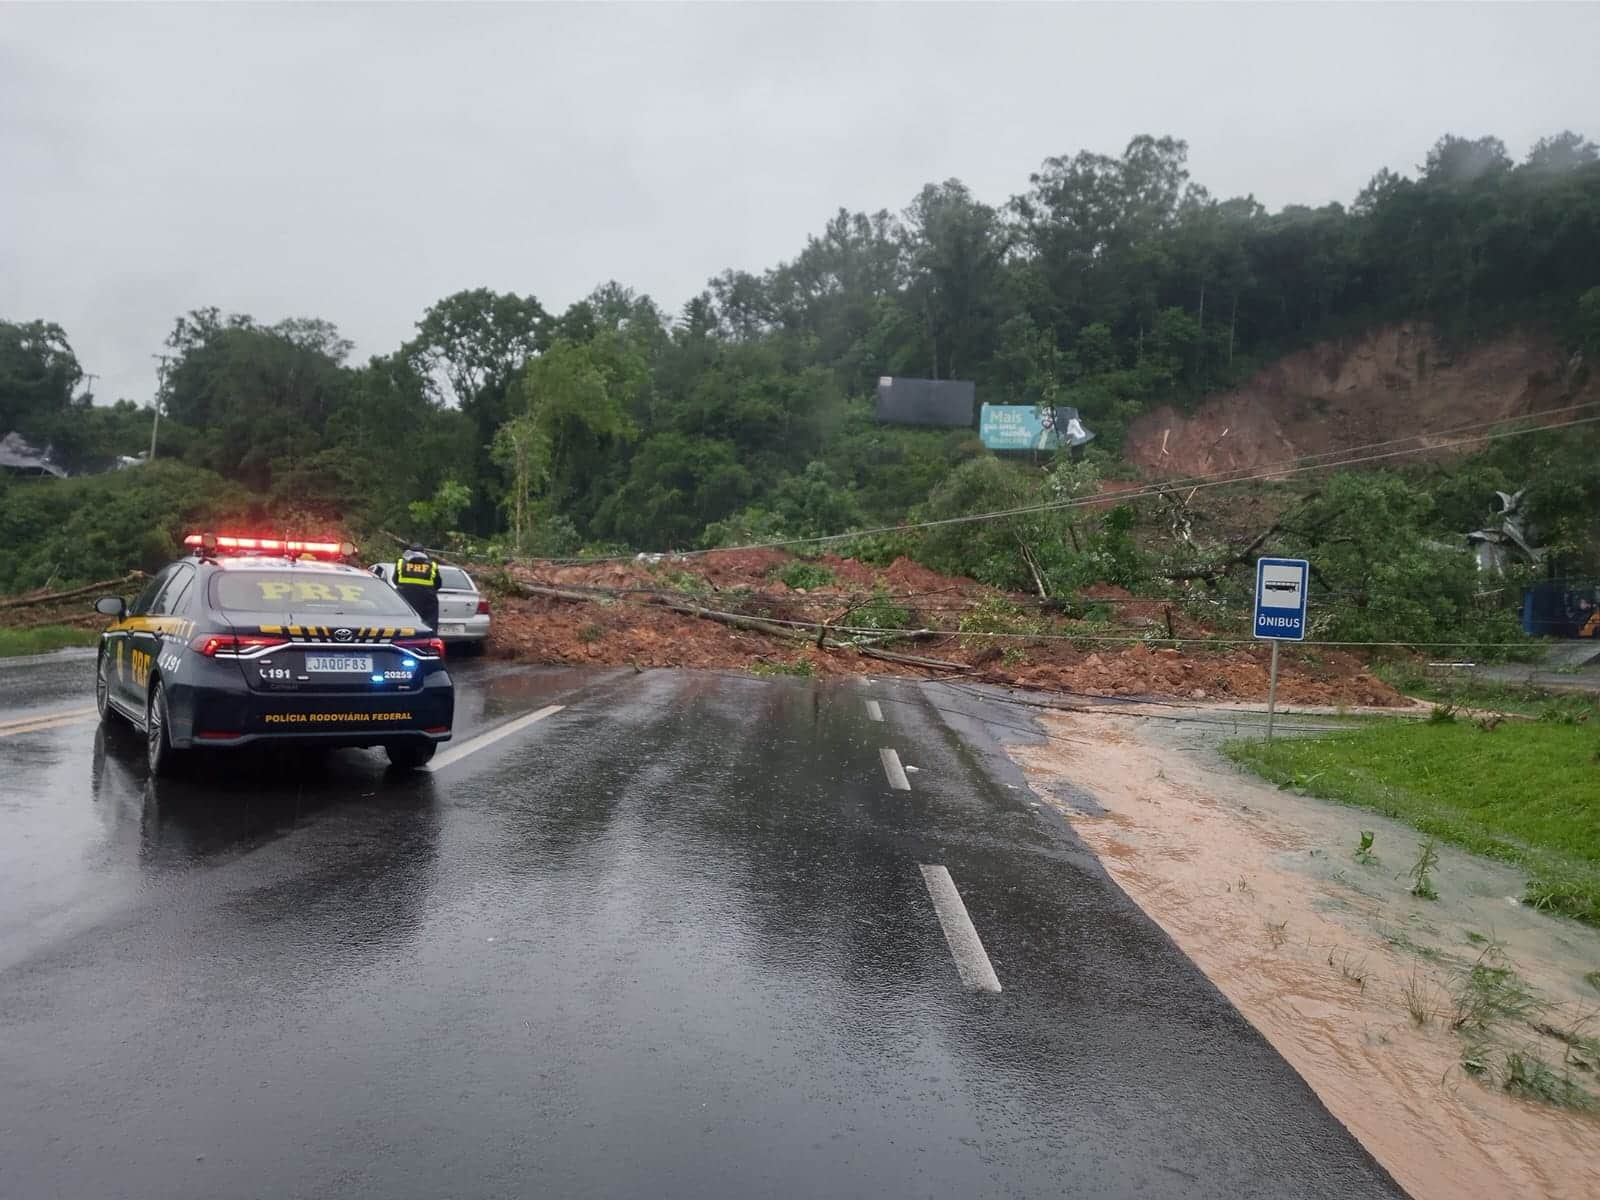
pixel 158 742
pixel 102 691
pixel 409 755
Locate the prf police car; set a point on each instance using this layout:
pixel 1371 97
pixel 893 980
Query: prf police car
pixel 264 640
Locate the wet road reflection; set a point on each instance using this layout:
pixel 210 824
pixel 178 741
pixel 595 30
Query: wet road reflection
pixel 672 940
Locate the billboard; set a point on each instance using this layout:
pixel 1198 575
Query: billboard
pixel 1025 427
pixel 947 402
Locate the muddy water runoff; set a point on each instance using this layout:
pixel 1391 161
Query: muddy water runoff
pixel 1323 955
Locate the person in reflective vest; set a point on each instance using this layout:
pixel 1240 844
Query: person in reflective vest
pixel 416 578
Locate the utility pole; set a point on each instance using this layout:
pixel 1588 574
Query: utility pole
pixel 88 387
pixel 161 387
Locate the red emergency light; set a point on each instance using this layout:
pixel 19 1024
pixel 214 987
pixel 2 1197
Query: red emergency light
pixel 228 543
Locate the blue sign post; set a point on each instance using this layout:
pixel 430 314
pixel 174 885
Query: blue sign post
pixel 1280 615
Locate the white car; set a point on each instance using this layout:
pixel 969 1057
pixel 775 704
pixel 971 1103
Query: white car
pixel 463 610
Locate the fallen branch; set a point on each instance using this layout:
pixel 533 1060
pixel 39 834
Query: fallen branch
pixel 73 594
pixel 1214 571
pixel 911 660
pixel 1032 565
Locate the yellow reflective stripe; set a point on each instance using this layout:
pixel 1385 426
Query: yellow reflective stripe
pixel 405 573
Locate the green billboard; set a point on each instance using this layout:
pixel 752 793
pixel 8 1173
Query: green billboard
pixel 1026 427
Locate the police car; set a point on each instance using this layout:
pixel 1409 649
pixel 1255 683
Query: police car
pixel 249 640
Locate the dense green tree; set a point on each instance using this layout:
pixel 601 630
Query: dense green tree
pixel 257 398
pixel 39 375
pixel 676 486
pixel 471 347
pixel 1368 536
pixel 563 443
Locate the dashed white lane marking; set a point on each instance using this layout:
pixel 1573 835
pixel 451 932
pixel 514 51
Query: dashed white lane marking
pixel 972 961
pixel 874 711
pixel 473 745
pixel 45 721
pixel 895 772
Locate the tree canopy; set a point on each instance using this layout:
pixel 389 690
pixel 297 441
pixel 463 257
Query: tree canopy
pixel 1111 282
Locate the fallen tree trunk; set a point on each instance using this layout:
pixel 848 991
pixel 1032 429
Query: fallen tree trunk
pixel 552 593
pixel 85 622
pixel 73 594
pixel 771 628
pixel 737 620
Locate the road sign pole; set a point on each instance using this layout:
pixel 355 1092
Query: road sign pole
pixel 1272 690
pixel 1280 616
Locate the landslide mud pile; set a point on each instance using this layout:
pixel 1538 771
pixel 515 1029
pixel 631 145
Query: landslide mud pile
pixel 617 614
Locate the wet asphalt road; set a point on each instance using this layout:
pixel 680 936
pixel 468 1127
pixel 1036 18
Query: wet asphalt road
pixel 672 940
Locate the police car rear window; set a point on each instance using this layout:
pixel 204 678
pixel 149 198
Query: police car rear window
pixel 306 592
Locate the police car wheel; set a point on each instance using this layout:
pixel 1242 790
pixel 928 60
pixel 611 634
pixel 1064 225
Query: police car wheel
pixel 409 755
pixel 158 743
pixel 102 689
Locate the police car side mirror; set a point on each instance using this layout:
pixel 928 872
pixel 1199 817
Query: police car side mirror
pixel 111 606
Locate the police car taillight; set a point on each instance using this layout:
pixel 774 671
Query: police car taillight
pixel 228 645
pixel 428 646
pixel 231 543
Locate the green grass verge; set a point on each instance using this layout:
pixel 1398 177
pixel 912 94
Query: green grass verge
pixel 1497 697
pixel 42 639
pixel 1526 792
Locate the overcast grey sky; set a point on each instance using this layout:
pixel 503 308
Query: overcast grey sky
pixel 358 163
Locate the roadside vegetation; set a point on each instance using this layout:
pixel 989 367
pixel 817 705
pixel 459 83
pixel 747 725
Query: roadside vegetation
pixel 1523 791
pixel 42 639
pixel 1513 1038
pixel 1114 283
pixel 1452 694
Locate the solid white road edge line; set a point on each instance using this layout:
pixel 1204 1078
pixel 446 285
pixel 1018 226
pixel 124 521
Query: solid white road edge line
pixel 874 711
pixel 972 961
pixel 895 772
pixel 473 745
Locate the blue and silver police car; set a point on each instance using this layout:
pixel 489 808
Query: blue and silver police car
pixel 248 640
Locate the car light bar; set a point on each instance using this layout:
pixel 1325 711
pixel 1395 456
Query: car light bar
pixel 229 543
pixel 229 645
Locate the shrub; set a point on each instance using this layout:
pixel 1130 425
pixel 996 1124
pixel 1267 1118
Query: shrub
pixel 804 575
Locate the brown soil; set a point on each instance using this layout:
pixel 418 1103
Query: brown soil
pixel 1393 382
pixel 622 627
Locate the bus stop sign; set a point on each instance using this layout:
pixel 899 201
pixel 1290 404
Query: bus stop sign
pixel 1281 586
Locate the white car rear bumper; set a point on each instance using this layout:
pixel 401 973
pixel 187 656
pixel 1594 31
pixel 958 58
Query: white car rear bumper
pixel 470 629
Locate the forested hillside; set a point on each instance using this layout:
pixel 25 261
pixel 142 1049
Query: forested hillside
pixel 1112 283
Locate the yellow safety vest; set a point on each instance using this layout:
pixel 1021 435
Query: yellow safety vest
pixel 425 573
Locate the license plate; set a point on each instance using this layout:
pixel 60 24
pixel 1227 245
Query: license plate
pixel 455 628
pixel 342 664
